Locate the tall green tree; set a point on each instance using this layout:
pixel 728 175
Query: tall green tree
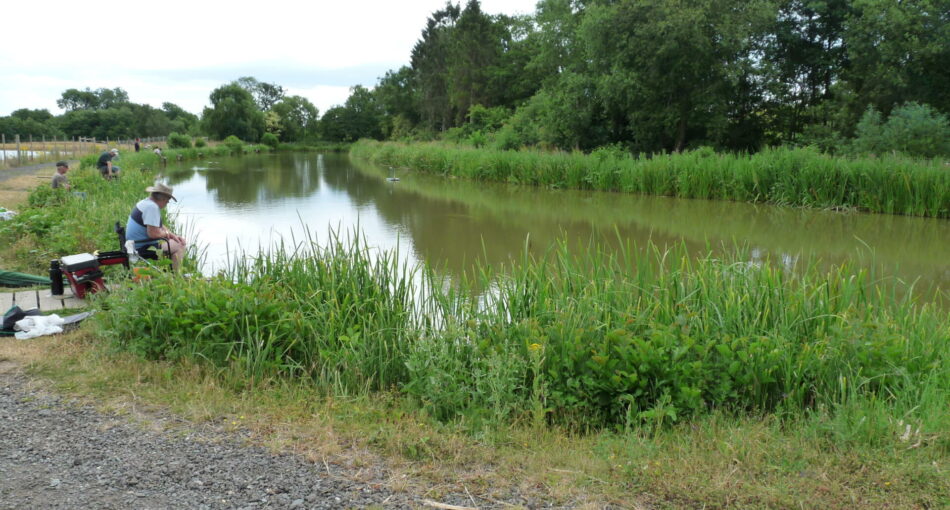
pixel 360 117
pixel 667 70
pixel 430 61
pixel 475 51
pixel 298 118
pixel 74 99
pixel 266 95
pixel 182 121
pixel 803 58
pixel 398 96
pixel 233 112
pixel 898 52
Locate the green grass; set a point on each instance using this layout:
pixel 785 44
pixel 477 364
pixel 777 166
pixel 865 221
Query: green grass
pixel 578 338
pixel 797 177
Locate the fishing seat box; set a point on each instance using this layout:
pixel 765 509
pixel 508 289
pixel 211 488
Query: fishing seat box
pixel 82 272
pixel 75 263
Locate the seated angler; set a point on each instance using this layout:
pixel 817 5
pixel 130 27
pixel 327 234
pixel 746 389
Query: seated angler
pixel 145 225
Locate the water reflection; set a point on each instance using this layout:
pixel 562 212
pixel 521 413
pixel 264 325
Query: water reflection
pixel 452 223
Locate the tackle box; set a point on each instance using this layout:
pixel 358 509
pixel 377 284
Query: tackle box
pixel 78 262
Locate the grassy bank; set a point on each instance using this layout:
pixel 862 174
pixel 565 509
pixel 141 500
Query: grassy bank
pixel 582 341
pixel 59 222
pixel 644 378
pixel 797 177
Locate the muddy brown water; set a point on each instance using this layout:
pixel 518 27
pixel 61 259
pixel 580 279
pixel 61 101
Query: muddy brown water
pixel 234 204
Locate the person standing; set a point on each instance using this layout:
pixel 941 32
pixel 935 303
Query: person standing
pixel 59 178
pixel 105 166
pixel 146 229
pixel 137 145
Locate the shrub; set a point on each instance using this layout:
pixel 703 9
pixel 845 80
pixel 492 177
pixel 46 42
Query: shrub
pixel 270 140
pixel 477 139
pixel 913 129
pixel 234 143
pixel 200 142
pixel 179 141
pixel 487 119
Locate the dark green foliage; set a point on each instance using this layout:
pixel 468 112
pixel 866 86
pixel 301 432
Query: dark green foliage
pixel 99 99
pixel 270 140
pixel 234 144
pixel 897 53
pixel 101 114
pixel 659 76
pixel 233 112
pixel 298 118
pixel 26 123
pixel 200 142
pixel 266 95
pixel 912 129
pixel 177 141
pixel 360 117
pixel 181 121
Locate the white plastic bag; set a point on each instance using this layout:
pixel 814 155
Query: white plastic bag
pixel 38 325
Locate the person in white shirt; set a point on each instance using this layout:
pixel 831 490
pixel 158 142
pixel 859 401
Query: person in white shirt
pixel 146 229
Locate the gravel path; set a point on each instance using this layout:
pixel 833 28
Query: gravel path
pixel 59 453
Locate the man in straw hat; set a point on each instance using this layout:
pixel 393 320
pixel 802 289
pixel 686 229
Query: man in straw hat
pixel 146 229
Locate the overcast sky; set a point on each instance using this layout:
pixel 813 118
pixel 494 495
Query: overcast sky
pixel 179 51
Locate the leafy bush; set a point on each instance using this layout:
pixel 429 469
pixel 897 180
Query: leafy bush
pixel 912 129
pixel 200 142
pixel 519 130
pixel 234 144
pixel 179 141
pixel 270 140
pixel 477 139
pixel 487 119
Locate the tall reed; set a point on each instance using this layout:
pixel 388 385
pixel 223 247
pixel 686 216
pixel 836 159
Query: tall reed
pixel 581 337
pixel 800 177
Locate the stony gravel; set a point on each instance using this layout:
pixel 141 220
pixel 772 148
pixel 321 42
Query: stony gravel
pixel 56 452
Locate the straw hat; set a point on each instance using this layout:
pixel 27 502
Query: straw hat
pixel 161 188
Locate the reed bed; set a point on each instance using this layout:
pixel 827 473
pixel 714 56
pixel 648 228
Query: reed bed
pixel 580 338
pixel 796 177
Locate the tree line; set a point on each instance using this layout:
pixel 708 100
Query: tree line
pixel 646 76
pixel 667 75
pixel 246 108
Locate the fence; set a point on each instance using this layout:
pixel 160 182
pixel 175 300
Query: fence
pixel 19 152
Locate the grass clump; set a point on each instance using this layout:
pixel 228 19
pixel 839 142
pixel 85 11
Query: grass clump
pixel 584 341
pixel 335 316
pixel 798 177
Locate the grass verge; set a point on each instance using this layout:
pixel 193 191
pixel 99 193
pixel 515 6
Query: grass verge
pixel 713 461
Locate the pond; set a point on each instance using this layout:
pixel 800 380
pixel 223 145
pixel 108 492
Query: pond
pixel 235 204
